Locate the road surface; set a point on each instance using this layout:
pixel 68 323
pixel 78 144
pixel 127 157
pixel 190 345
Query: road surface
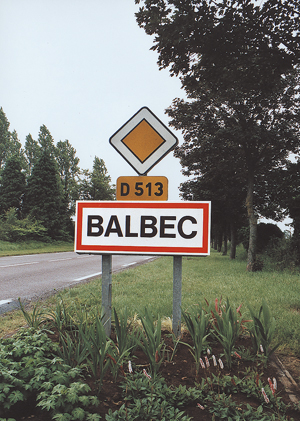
pixel 33 276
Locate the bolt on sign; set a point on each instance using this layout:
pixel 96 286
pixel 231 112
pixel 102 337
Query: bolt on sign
pixel 143 141
pixel 160 228
pixel 142 188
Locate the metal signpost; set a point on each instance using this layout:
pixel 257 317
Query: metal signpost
pixel 141 221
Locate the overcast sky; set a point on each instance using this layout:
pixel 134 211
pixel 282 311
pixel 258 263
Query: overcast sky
pixel 82 68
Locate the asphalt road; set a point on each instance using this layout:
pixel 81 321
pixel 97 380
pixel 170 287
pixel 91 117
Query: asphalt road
pixel 39 275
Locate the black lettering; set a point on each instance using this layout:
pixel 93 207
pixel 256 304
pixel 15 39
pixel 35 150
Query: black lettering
pixel 148 186
pixel 159 188
pixel 124 189
pixel 139 189
pixel 164 226
pixel 180 229
pixel 116 229
pixel 92 224
pixel 127 228
pixel 151 226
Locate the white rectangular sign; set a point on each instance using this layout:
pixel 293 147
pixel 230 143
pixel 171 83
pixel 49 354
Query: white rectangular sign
pixel 143 227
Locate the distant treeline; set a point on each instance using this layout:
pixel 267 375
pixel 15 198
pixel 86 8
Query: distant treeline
pixel 40 183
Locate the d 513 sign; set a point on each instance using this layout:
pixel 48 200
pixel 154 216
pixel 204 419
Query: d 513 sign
pixel 142 188
pixel 143 228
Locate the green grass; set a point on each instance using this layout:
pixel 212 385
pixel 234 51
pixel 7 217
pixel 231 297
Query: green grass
pixel 202 277
pixel 33 247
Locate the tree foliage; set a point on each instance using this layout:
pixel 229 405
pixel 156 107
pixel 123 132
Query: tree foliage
pixel 12 186
pixel 40 184
pixel 96 185
pixel 44 199
pixel 68 168
pixel 4 136
pixel 239 65
pixel 31 152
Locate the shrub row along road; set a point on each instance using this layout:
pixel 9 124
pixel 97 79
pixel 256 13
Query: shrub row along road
pixel 38 275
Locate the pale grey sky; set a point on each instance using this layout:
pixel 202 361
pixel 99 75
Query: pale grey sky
pixel 82 68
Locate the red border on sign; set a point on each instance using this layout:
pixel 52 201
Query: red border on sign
pixel 204 250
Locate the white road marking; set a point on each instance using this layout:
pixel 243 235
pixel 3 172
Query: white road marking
pixel 59 260
pixel 19 264
pixel 2 302
pixel 87 277
pixel 129 264
pixel 84 256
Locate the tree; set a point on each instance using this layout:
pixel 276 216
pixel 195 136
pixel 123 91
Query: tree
pixel 239 66
pixel 96 185
pixel 9 142
pixel 69 171
pixel 4 136
pixel 100 181
pixel 44 199
pixel 32 151
pixel 12 187
pixel 46 140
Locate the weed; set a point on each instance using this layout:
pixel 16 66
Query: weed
pixel 197 324
pixel 152 344
pixel 227 328
pixel 36 318
pixel 98 345
pixel 263 329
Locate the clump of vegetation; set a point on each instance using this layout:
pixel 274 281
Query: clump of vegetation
pixel 14 229
pixel 62 361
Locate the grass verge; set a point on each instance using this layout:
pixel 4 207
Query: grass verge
pixel 34 247
pixel 202 278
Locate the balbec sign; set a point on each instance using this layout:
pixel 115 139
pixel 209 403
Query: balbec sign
pixel 143 228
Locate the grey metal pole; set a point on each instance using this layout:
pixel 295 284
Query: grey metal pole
pixel 177 282
pixel 107 291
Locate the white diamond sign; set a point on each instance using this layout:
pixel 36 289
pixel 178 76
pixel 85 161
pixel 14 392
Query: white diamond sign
pixel 143 141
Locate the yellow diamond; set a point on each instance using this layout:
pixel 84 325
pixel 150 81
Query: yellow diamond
pixel 143 140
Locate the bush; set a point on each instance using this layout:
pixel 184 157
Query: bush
pixel 280 255
pixel 13 229
pixel 266 234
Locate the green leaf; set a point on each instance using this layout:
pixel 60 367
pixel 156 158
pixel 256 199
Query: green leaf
pixel 93 417
pixel 16 396
pixel 78 414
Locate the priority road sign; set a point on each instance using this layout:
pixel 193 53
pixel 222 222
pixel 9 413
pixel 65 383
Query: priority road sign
pixel 143 141
pixel 159 228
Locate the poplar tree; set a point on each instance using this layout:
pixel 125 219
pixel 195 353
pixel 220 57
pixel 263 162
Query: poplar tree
pixel 4 136
pixel 12 186
pixel 96 184
pixel 68 168
pixel 44 197
pixel 32 149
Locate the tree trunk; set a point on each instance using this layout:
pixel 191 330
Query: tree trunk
pixel 220 241
pixel 251 262
pixel 233 240
pixel 215 243
pixel 215 238
pixel 225 245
